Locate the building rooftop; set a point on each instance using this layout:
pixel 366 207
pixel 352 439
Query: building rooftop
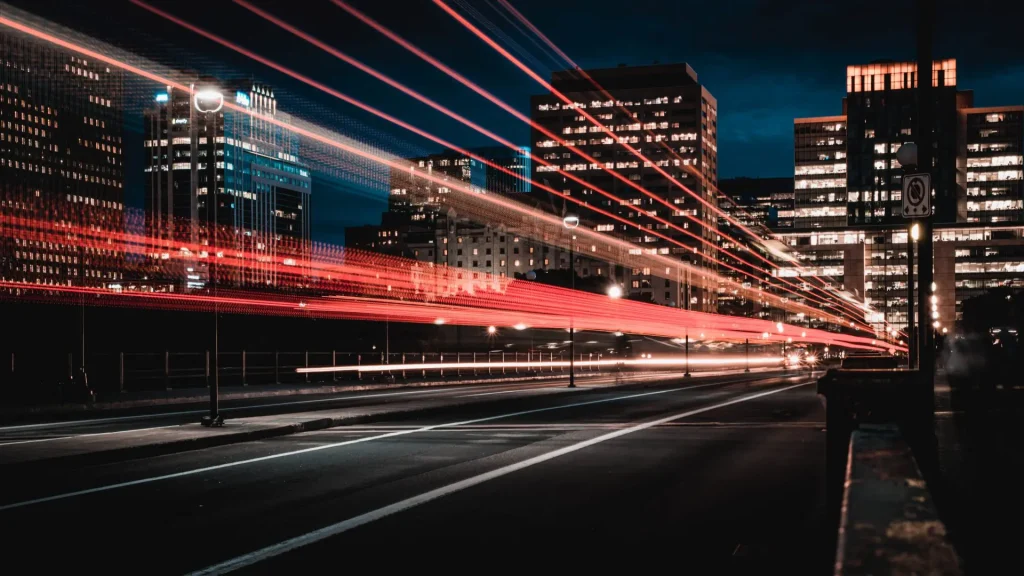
pixel 626 77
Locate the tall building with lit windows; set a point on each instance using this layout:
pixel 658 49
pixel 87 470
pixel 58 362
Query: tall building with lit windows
pixel 210 167
pixel 977 171
pixel 994 140
pixel 61 160
pixel 819 184
pixel 977 179
pixel 416 202
pixel 671 118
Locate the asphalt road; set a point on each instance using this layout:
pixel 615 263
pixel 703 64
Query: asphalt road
pixel 116 421
pixel 694 476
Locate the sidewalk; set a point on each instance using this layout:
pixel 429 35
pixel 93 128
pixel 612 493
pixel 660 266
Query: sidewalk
pixel 149 398
pixel 112 447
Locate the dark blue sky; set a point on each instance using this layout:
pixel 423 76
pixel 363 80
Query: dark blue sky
pixel 766 61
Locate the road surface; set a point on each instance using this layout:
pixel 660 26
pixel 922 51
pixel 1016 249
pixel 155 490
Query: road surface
pixel 699 476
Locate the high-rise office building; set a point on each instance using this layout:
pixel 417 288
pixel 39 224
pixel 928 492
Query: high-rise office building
pixel 882 113
pixel 994 140
pixel 663 111
pixel 819 186
pixel 208 165
pixel 62 160
pixel 848 224
pixel 416 203
pixel 757 201
pixel 846 169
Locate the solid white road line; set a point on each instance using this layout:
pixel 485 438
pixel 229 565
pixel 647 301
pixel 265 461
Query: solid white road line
pixel 77 436
pixel 73 423
pixel 345 443
pixel 546 389
pixel 345 525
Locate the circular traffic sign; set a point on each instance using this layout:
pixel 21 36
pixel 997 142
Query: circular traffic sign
pixel 915 191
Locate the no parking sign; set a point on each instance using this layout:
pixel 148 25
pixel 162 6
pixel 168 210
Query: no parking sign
pixel 917 195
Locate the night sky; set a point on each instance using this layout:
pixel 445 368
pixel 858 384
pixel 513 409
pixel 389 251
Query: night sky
pixel 766 62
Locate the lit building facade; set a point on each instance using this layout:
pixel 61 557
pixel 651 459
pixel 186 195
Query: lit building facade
pixel 665 113
pixel 845 167
pixel 819 197
pixel 757 201
pixel 61 157
pixel 213 168
pixel 994 143
pixel 870 262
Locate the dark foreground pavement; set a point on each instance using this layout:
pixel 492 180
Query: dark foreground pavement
pixel 702 477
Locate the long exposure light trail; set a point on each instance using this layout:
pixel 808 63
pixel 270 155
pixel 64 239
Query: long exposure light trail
pixel 484 93
pixel 553 222
pixel 454 115
pixel 580 71
pixel 565 99
pixel 666 362
pixel 361 274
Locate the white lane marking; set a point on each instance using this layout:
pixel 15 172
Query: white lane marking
pixel 346 525
pixel 563 389
pixel 77 436
pixel 345 443
pixel 73 423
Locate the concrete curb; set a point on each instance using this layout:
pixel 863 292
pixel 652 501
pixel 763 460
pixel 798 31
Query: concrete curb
pixel 201 442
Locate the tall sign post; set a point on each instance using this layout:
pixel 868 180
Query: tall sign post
pixel 925 115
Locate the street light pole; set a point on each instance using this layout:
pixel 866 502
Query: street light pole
pixel 687 374
pixel 210 102
pixel 747 348
pixel 571 222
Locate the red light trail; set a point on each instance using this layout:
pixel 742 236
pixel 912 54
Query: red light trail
pixel 421 98
pixel 842 305
pixel 565 99
pixel 781 302
pixel 428 313
pixel 374 287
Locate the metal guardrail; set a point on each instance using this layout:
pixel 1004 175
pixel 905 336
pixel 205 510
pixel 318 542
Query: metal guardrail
pixel 132 371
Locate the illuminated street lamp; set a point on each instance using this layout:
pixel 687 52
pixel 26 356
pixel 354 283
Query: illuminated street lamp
pixel 492 330
pixel 208 101
pixel 571 221
pixel 614 291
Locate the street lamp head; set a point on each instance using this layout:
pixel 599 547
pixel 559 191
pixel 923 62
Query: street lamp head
pixel 571 221
pixel 907 155
pixel 915 232
pixel 492 330
pixel 531 275
pixel 209 100
pixel 614 291
pixel 520 326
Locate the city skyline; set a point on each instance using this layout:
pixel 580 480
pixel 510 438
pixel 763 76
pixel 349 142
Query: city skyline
pixel 792 78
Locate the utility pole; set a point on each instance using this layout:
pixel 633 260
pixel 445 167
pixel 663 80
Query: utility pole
pixel 925 114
